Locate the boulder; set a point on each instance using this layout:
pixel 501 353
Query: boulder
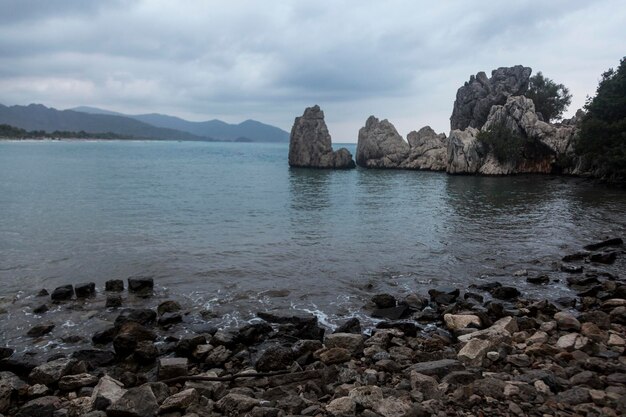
pixel 62 293
pixel 40 330
pixel 462 152
pixel 349 341
pixel 50 372
pixel 310 144
pixel 475 99
pixel 74 382
pixel 179 401
pixel 106 392
pixel 85 290
pixel 342 406
pixel 380 145
pixel 172 368
pixel 115 285
pixel 275 358
pixel 40 407
pixel 428 150
pixel 474 352
pixel 461 321
pixel 136 402
pixel 143 285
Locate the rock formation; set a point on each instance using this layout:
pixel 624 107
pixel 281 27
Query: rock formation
pixel 380 145
pixel 428 150
pixel 475 99
pixel 544 144
pixel 310 143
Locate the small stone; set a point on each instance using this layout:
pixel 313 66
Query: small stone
pixel 352 325
pixel 521 360
pixel 43 293
pixel 461 321
pixel 542 387
pixel 444 295
pixel 342 406
pixel 572 269
pixel 233 404
pixel 167 319
pixel 65 292
pixel 438 368
pixel 41 309
pixel 74 382
pixel 38 390
pixel 172 367
pixel 391 313
pixel 566 321
pixel 114 285
pixel 106 392
pixel 179 401
pixel 40 407
pixel 334 355
pixel 538 337
pixel 136 402
pixel 367 396
pixel 615 340
pixel 493 356
pixel 85 290
pixel 50 372
pixel 593 332
pixel 474 352
pixel 570 341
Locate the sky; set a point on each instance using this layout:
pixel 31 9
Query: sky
pixel 268 60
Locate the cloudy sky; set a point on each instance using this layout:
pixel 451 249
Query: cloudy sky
pixel 267 60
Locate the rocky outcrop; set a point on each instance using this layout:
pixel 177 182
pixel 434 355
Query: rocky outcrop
pixel 428 150
pixel 380 145
pixel 543 148
pixel 474 99
pixel 310 143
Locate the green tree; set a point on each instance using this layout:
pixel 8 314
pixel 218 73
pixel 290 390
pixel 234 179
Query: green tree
pixel 602 138
pixel 551 99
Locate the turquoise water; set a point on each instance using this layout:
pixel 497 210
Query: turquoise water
pixel 223 223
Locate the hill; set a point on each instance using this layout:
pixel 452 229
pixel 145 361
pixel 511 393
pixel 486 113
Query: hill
pixel 250 129
pixel 40 117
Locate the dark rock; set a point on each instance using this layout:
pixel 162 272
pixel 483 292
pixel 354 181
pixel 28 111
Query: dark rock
pixel 473 296
pixel 604 257
pixel 275 358
pixel 186 346
pixel 129 334
pixel 105 336
pixel 40 330
pixel 605 243
pixel 579 256
pixel 438 368
pixel 599 318
pixel 5 352
pixel 409 329
pixel 145 352
pixel 288 317
pixel 585 281
pixel 310 144
pixel 21 364
pixel 489 286
pixel 572 269
pixel 460 377
pixel 168 306
pixel 142 316
pixel 40 309
pixel 95 357
pixel 384 300
pixel 136 402
pixel 392 313
pixel 505 293
pixel 168 319
pixel 50 372
pixel 444 295
pixel 490 387
pixel 539 279
pixel 43 293
pixel 85 290
pixel 566 301
pixel 40 407
pixel 225 338
pixel 65 292
pixel 254 333
pixel 113 301
pixel 574 396
pixel 141 285
pixel 306 347
pixel 352 325
pixel 114 285
pixel 474 99
pixel 172 368
pixel 74 382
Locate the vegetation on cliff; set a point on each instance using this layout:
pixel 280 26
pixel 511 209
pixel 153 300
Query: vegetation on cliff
pixel 602 139
pixel 505 144
pixel 11 132
pixel 551 99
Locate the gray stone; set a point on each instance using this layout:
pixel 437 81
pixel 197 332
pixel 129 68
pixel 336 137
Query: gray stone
pixel 62 293
pixel 310 144
pixel 51 372
pixel 85 290
pixel 366 396
pixel 349 341
pixel 140 285
pixel 106 392
pixel 380 145
pixel 172 368
pixel 179 401
pixel 341 407
pixel 428 150
pixel 438 368
pixel 136 402
pixel 115 285
pixel 40 407
pixel 236 404
pixel 474 352
pixel 566 321
pixel 74 382
pixel 475 99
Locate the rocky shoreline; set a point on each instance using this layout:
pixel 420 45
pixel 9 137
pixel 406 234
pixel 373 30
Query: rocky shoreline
pixel 484 350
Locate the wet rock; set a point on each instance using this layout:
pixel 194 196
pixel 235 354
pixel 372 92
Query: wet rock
pixel 105 336
pixel 352 325
pixel 172 367
pixel 168 319
pixel 40 309
pixel 461 321
pixel 578 256
pixel 604 244
pixel 65 292
pixel 136 402
pixel 236 404
pixel 341 407
pixel 310 144
pixel 114 285
pixel 5 352
pixel 348 341
pixel 142 285
pixel 95 357
pixel 604 257
pixel 218 356
pixel 106 392
pixel 74 382
pixel 572 269
pixel 566 321
pixel 40 407
pixel 50 372
pixel 444 295
pixel 186 346
pixel 225 338
pixel 391 313
pixel 298 318
pixel 144 316
pixel 275 358
pixel 474 351
pixel 113 301
pixel 129 334
pixel 21 364
pixel 538 280
pixel 179 401
pixel 438 368
pixel 384 300
pixel 85 290
pixel 42 293
pixel 40 330
pixel 380 145
pixel 169 306
pixel 600 318
pixel 505 293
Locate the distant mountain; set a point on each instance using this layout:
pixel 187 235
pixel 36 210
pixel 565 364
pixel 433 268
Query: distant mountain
pixel 251 130
pixel 40 117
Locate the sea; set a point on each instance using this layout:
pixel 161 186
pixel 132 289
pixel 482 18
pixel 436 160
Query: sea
pixel 231 229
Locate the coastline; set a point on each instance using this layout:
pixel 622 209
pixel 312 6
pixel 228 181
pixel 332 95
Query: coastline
pixel 463 351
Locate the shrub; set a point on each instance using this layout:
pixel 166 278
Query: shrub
pixel 507 146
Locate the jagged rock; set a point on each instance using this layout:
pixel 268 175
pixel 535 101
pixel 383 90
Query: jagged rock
pixel 129 334
pixel 475 99
pixel 566 321
pixel 115 285
pixel 236 404
pixel 179 401
pixel 609 242
pixel 40 330
pixel 50 372
pixel 474 352
pixel 367 396
pixel 106 392
pixel 62 293
pixel 275 358
pixel 136 402
pixel 349 341
pixel 462 152
pixel 460 321
pixel 74 382
pixel 172 368
pixel 40 407
pixel 380 145
pixel 310 144
pixel 428 150
pixel 142 285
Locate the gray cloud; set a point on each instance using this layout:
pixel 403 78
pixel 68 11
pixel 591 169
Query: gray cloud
pixel 401 60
